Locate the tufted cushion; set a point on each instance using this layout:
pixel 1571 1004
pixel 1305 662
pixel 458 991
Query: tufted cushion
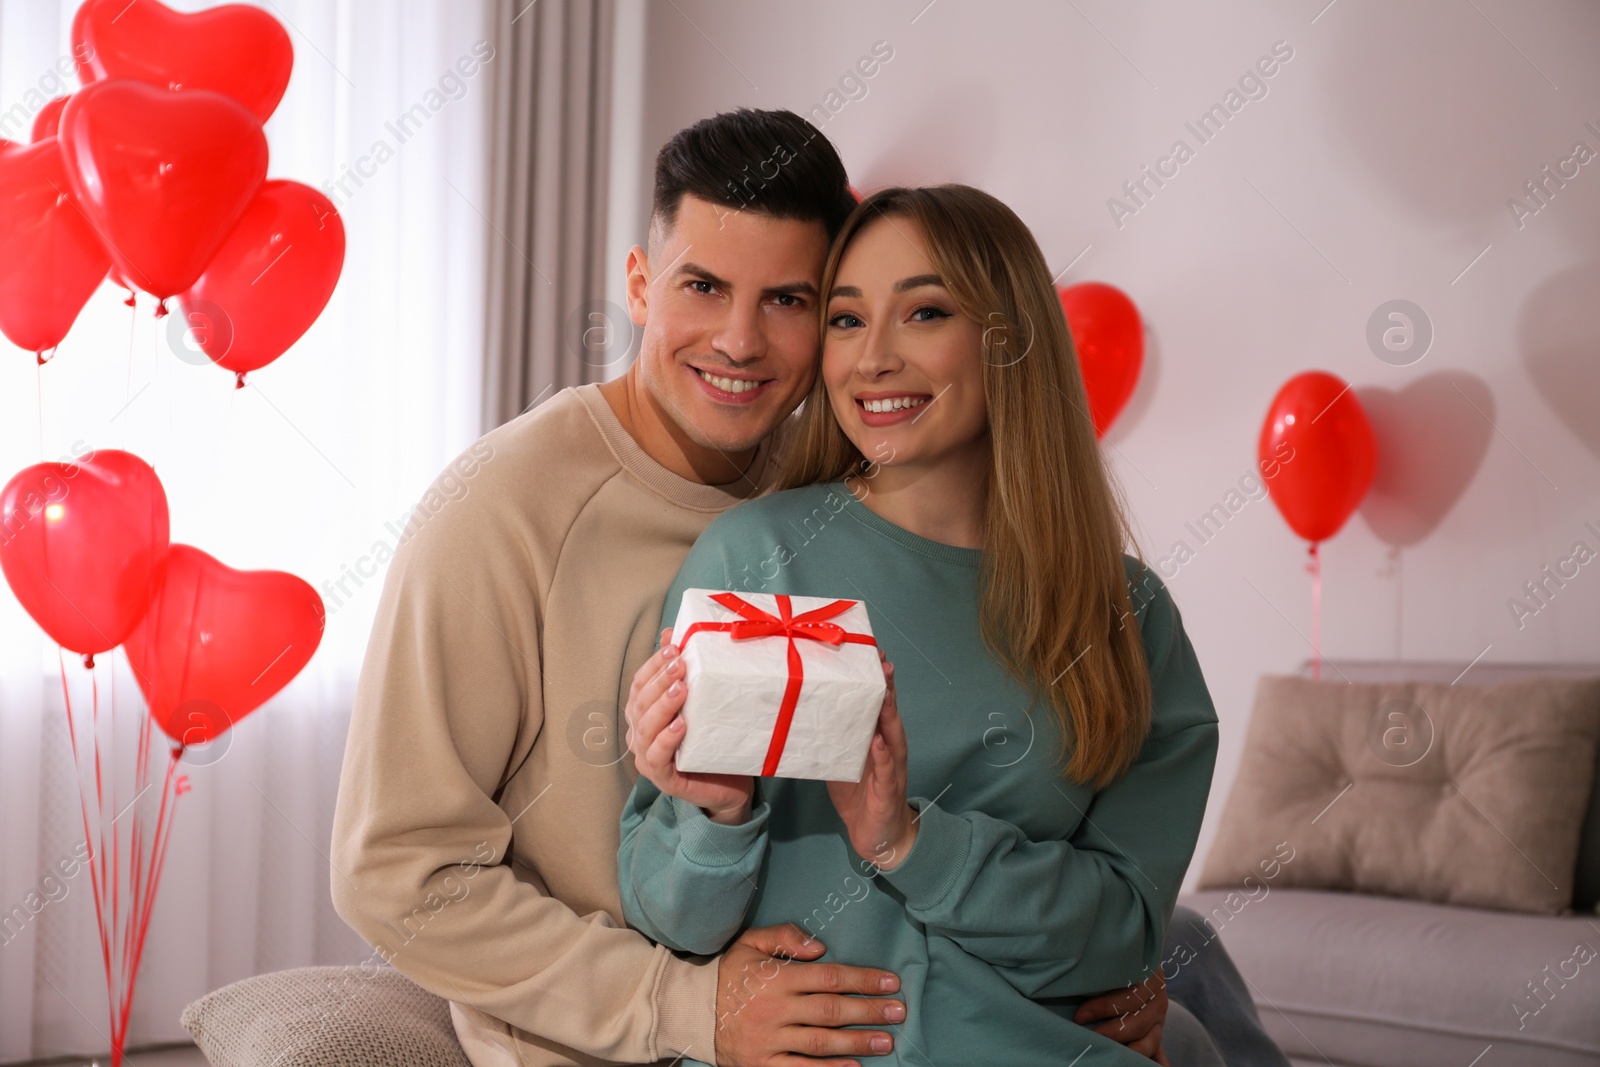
pixel 1471 795
pixel 325 1017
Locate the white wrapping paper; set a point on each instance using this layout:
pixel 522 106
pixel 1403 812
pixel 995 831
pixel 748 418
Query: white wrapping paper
pixel 736 687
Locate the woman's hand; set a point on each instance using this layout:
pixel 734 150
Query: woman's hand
pixel 655 730
pixel 874 810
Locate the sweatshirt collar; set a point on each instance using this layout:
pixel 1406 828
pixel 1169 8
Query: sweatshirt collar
pixel 682 491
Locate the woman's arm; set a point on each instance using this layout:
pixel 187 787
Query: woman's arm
pixel 687 882
pixel 1086 914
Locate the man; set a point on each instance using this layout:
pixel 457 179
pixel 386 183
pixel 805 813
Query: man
pixel 476 828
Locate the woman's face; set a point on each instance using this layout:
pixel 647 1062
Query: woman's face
pixel 903 366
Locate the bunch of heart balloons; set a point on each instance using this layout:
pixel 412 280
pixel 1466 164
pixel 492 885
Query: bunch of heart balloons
pixel 155 173
pixel 84 546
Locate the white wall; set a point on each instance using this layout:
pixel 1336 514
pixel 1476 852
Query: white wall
pixel 1378 166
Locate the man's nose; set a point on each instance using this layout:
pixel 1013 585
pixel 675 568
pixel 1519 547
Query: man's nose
pixel 741 336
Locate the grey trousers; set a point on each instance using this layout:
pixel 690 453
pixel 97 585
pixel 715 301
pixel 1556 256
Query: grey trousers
pixel 1185 1040
pixel 1212 1021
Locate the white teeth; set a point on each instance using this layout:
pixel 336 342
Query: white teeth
pixel 894 403
pixel 729 385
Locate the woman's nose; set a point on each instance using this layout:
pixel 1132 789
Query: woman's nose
pixel 878 355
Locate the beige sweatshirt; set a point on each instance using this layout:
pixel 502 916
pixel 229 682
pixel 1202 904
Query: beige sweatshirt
pixel 476 829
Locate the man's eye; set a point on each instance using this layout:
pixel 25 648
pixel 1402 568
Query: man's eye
pixel 789 300
pixel 697 283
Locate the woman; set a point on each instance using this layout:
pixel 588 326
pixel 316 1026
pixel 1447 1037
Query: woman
pixel 1042 759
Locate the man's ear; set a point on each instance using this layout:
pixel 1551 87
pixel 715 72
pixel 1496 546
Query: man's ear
pixel 638 285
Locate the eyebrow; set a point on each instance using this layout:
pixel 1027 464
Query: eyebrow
pixel 916 281
pixel 795 288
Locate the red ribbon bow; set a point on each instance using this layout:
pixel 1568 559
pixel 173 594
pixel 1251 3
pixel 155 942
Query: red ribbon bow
pixel 811 625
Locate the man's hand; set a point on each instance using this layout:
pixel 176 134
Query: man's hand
pixel 773 1006
pixel 655 730
pixel 1133 1016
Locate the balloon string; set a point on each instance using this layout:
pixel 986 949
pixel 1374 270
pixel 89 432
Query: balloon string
pixel 1315 570
pixel 158 850
pixel 163 835
pixel 223 438
pixel 115 882
pixel 38 378
pixel 133 320
pixel 137 875
pixel 139 888
pixel 144 771
pixel 133 867
pixel 100 805
pixel 113 877
pixel 88 838
pixel 166 385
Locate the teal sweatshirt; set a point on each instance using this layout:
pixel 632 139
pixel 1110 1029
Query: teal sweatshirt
pixel 1024 893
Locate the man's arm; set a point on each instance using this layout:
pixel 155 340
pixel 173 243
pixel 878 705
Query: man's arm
pixel 1135 1016
pixel 449 691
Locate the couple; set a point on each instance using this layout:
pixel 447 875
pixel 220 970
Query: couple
pixel 972 902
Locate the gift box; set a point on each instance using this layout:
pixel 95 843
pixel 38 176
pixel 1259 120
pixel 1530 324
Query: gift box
pixel 778 686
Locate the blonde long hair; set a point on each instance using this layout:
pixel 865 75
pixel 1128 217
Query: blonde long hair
pixel 1054 591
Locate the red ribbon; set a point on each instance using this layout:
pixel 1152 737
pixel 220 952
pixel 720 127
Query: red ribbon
pixel 753 622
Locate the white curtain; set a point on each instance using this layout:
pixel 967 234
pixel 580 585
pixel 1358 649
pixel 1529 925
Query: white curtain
pixel 310 468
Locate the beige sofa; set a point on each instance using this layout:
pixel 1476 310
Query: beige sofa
pixel 1353 980
pixel 1339 979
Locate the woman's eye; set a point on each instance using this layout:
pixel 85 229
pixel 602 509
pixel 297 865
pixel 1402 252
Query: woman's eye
pixel 936 313
pixel 844 321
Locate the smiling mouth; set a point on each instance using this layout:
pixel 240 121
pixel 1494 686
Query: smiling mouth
pixel 731 385
pixel 885 405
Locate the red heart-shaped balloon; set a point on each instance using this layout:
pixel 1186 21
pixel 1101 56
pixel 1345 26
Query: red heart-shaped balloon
pixel 236 50
pixel 217 642
pixel 48 120
pixel 1109 338
pixel 270 280
pixel 81 545
pixel 1317 453
pixel 51 260
pixel 163 175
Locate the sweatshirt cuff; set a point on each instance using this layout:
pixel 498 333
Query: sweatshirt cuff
pixel 933 865
pixel 686 1008
pixel 715 844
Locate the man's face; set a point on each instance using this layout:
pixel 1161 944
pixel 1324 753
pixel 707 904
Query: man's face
pixel 728 307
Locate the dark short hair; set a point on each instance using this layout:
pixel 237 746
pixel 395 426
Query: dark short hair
pixel 771 162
